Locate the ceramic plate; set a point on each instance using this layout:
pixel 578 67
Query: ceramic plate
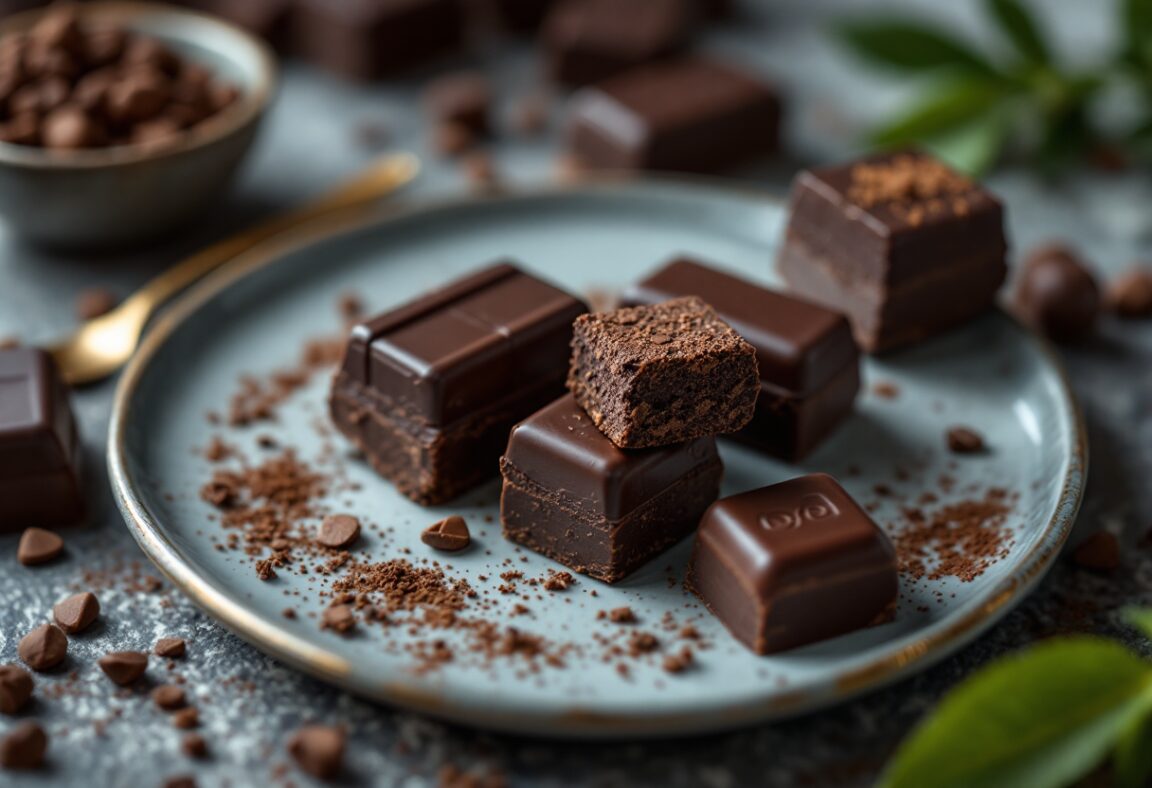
pixel 992 375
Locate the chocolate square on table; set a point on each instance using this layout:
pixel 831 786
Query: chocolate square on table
pixel 662 374
pixel 902 244
pixel 791 564
pixel 40 449
pixel 689 114
pixel 586 41
pixel 809 364
pixel 370 39
pixel 573 496
pixel 429 390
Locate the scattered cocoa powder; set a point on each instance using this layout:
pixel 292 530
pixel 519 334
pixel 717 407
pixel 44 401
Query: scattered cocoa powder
pixel 960 539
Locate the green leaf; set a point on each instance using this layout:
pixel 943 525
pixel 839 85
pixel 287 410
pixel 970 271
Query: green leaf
pixel 1021 29
pixel 1132 765
pixel 910 47
pixel 1141 618
pixel 948 108
pixel 974 147
pixel 1039 718
pixel 1136 18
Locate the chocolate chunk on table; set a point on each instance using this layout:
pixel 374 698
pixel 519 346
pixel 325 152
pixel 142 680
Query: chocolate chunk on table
pixel 793 563
pixel 370 39
pixel 429 390
pixel 902 244
pixel 572 495
pixel 586 41
pixel 40 449
pixel 690 114
pixel 662 374
pixel 809 364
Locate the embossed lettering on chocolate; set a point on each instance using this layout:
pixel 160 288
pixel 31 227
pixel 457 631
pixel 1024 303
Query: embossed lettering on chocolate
pixel 793 563
pixel 40 447
pixel 572 495
pixel 429 390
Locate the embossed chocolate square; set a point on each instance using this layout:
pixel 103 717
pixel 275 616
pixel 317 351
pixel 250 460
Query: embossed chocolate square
pixel 790 564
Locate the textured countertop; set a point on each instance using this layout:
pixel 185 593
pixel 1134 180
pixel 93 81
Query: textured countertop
pixel 249 703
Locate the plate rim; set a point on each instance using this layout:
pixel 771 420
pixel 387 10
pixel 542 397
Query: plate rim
pixel 577 722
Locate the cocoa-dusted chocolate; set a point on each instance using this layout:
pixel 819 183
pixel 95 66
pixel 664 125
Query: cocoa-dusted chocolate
pixel 1057 293
pixel 24 746
pixel 123 667
pixel 450 534
pixel 572 495
pixel 38 546
pixel 318 750
pixel 900 243
pixel 40 448
pixel 790 564
pixel 809 364
pixel 687 114
pixel 370 39
pixel 585 41
pixel 43 648
pixel 77 612
pixel 69 83
pixel 170 648
pixel 662 374
pixel 16 687
pixel 429 390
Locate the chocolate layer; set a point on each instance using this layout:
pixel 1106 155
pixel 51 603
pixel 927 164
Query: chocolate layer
pixel 572 495
pixel 793 563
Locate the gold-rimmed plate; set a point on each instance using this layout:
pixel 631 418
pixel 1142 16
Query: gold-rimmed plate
pixel 254 318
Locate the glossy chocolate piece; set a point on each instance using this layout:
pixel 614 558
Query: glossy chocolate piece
pixel 429 390
pixel 690 114
pixel 586 41
pixel 370 39
pixel 809 363
pixel 572 495
pixel 793 563
pixel 40 449
pixel 902 245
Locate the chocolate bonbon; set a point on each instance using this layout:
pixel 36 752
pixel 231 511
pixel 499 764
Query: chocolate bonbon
pixel 662 374
pixel 808 361
pixel 39 445
pixel 1057 294
pixel 572 495
pixel 900 243
pixel 429 390
pixel 689 114
pixel 793 563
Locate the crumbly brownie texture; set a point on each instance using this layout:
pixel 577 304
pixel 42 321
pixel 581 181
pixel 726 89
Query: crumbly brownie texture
pixel 555 525
pixel 663 374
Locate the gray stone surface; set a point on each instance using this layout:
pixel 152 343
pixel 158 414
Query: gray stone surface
pixel 101 736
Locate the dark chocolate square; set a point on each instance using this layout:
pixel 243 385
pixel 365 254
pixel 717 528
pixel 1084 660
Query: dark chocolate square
pixel 40 448
pixel 662 374
pixel 572 495
pixel 793 563
pixel 689 114
pixel 430 389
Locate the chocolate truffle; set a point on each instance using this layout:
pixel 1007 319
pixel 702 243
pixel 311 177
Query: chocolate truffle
pixel 1057 294
pixel 662 374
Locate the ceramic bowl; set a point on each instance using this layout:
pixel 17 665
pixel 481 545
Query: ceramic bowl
pixel 103 197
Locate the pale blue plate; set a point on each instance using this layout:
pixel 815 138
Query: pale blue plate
pixel 992 375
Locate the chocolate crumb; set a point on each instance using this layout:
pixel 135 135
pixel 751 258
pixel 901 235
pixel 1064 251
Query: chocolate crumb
pixel 622 615
pixel 339 618
pixel 1100 552
pixel 886 390
pixel 194 746
pixel 680 661
pixel 168 697
pixel 38 546
pixel 171 648
pixel 338 531
pixel 318 750
pixel 450 534
pixel 963 440
pixel 186 718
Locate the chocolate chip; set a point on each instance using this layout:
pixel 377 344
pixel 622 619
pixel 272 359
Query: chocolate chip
pixel 170 647
pixel 339 618
pixel 338 530
pixel 24 747
pixel 186 718
pixel 450 534
pixel 1100 552
pixel 124 667
pixel 38 546
pixel 168 697
pixel 1057 294
pixel 44 647
pixel 94 302
pixel 194 746
pixel 1131 294
pixel 15 688
pixel 77 612
pixel 318 750
pixel 963 440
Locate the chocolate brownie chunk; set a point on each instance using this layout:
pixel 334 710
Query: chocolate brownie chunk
pixel 662 374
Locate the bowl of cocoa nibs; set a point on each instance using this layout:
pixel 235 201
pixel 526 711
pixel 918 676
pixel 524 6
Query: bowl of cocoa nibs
pixel 119 122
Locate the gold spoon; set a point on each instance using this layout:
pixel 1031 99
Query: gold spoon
pixel 103 345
